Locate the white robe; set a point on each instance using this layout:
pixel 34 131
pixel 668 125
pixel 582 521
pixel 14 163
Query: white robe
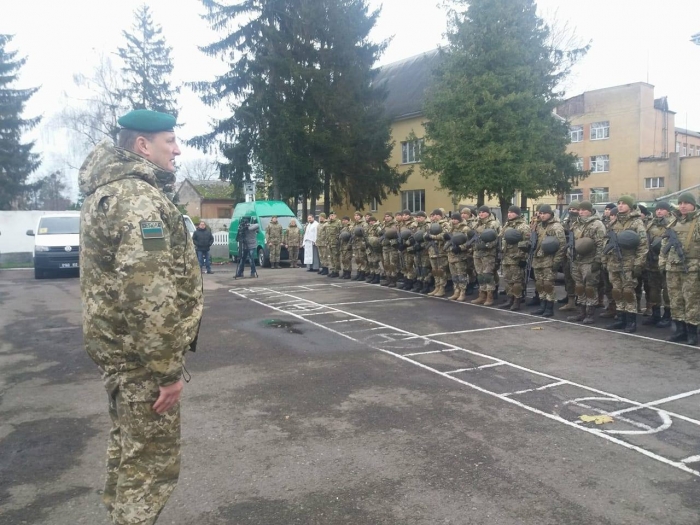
pixel 310 232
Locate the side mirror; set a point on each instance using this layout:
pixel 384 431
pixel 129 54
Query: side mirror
pixel 30 233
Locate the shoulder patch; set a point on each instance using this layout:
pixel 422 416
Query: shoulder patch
pixel 152 229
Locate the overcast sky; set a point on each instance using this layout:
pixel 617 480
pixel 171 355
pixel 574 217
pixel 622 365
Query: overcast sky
pixel 632 41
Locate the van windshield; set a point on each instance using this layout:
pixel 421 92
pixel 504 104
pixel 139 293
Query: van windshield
pixel 284 221
pixel 59 225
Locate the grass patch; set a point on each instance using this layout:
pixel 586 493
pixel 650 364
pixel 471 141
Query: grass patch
pixel 8 266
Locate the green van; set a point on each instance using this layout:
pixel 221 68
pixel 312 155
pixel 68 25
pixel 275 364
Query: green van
pixel 260 212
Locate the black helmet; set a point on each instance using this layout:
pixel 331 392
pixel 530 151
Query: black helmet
pixel 344 236
pixel 512 236
pixel 628 239
pixel 435 228
pixel 406 234
pixel 458 238
pixel 489 235
pixel 550 245
pixel 584 246
pixel 391 233
pixel 418 236
pixel 359 231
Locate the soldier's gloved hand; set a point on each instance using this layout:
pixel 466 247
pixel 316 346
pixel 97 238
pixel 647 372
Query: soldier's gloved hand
pixel 522 264
pixel 596 267
pixel 456 249
pixel 481 245
pixel 637 271
pixel 427 237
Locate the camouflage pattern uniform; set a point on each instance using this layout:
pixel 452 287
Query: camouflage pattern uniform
pixel 458 260
pixel 332 230
pixel 359 249
pixel 374 251
pixel 569 282
pixel 514 261
pixel 438 257
pixel 273 237
pixel 292 239
pixel 585 270
pixel 322 245
pixel 390 254
pixel 658 290
pixel 346 250
pixel 409 254
pixel 544 265
pixel 424 272
pixel 141 291
pixel 485 259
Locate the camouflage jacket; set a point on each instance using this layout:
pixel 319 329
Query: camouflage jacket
pixel 514 253
pixel 460 227
pixel 390 243
pixel 655 230
pixel 332 230
pixel 435 244
pixel 549 228
pixel 486 249
pixel 373 234
pixel 273 233
pixel 358 241
pixel 591 227
pixel 630 258
pixel 140 281
pixel 321 239
pixel 292 236
pixel 688 231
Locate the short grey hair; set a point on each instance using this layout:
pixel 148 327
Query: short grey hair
pixel 127 138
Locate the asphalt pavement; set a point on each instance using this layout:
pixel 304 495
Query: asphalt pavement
pixel 327 401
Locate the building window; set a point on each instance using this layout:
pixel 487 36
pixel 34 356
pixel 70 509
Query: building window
pixel 691 150
pixel 600 130
pixel 678 147
pixel 599 195
pixel 578 164
pixel 600 164
pixel 575 195
pixel 576 133
pixel 653 183
pixel 374 205
pixel 223 213
pixel 684 150
pixel 410 151
pixel 413 200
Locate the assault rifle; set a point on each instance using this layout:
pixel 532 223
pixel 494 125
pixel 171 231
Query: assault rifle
pixel 571 247
pixel 675 243
pixel 530 257
pixel 614 246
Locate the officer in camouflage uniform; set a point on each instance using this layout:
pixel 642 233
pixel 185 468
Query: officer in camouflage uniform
pixel 142 304
pixel 683 273
pixel 359 250
pixel 374 250
pixel 515 246
pixel 545 264
pixel 273 237
pixel 390 253
pixel 658 291
pixel 589 239
pixel 346 247
pixel 292 241
pixel 605 288
pixel 332 230
pixel 435 247
pixel 322 245
pixel 471 220
pixel 569 284
pixel 624 273
pixel 421 256
pixel 485 255
pixel 407 248
pixel 457 256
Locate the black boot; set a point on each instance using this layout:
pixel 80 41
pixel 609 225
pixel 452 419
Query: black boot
pixel 548 309
pixel 347 274
pixel 426 286
pixel 324 271
pixel 541 309
pixel 407 284
pixel 534 301
pixel 692 330
pixel 631 323
pixel 665 321
pixel 654 318
pixel 392 282
pixel 376 279
pixel 620 323
pixel 369 277
pixel 680 334
pixel 470 288
pixel 417 285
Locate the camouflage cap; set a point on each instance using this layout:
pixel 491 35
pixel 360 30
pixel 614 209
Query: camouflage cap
pixel 147 121
pixel 322 215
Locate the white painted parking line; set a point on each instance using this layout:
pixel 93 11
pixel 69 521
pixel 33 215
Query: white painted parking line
pixel 666 421
pixel 376 301
pixel 550 385
pixel 486 329
pixel 452 349
pixel 653 404
pixel 460 370
pixel 691 459
pixel 345 321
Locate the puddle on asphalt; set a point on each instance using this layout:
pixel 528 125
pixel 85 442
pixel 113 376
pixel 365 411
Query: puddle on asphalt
pixel 287 325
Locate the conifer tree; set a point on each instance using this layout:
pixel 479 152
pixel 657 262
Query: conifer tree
pixel 17 160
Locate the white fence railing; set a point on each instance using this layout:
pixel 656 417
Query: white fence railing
pixel 220 238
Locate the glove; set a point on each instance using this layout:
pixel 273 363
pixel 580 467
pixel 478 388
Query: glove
pixel 522 264
pixel 456 249
pixel 427 237
pixel 637 271
pixel 596 267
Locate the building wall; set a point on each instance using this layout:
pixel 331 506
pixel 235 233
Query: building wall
pixel 690 172
pixel 216 209
pixel 687 144
pixel 190 199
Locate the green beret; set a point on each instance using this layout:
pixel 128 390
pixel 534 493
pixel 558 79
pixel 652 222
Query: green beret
pixel 627 199
pixel 147 121
pixel 687 197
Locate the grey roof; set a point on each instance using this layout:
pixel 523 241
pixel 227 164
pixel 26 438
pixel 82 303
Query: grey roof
pixel 406 82
pixel 683 131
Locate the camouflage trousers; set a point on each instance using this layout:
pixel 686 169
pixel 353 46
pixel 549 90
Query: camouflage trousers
pixel 334 258
pixel 439 269
pixel 471 272
pixel 391 261
pixel 585 283
pixel 544 283
pixel 324 256
pixel 684 292
pixel 485 268
pixel 373 260
pixel 409 265
pixel 623 289
pixel 360 256
pixel 346 258
pixel 569 281
pixel 423 267
pixel 514 276
pixel 658 289
pixel 458 270
pixel 143 454
pixel 274 248
pixel 293 253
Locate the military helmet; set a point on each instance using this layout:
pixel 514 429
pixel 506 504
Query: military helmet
pixel 513 236
pixel 391 234
pixel 406 234
pixel 584 246
pixel 489 235
pixel 656 245
pixel 550 245
pixel 359 231
pixel 374 242
pixel 458 238
pixel 435 228
pixel 628 239
pixel 418 236
pixel 344 236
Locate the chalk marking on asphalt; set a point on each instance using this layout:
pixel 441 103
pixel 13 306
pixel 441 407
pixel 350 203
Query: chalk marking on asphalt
pixel 593 431
pixel 550 385
pixel 484 329
pixel 653 404
pixel 474 368
pixel 455 349
pixel 345 321
pixel 365 329
pixel 375 301
pixel 691 459
pixel 666 421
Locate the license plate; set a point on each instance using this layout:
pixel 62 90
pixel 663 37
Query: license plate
pixel 69 265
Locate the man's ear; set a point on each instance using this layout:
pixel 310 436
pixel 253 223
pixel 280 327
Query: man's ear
pixel 142 146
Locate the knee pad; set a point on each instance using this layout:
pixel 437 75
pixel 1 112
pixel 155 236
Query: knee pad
pixel 538 287
pixel 517 289
pixel 579 290
pixel 487 278
pixel 591 293
pixel 548 287
pixel 617 294
pixel 629 296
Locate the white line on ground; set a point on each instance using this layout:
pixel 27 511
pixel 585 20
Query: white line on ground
pixel 691 459
pixel 550 385
pixel 652 404
pixel 454 349
pixel 485 329
pixel 376 301
pixel 345 321
pixel 666 421
pixel 474 368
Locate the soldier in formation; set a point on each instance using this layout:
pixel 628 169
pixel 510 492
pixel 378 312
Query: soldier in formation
pixel 486 248
pixel 345 246
pixel 515 247
pixel 273 237
pixel 322 244
pixel 292 241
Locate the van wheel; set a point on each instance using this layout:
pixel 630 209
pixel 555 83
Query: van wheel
pixel 39 274
pixel 262 260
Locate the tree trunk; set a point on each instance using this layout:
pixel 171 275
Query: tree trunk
pixel 305 207
pixel 480 197
pixel 504 203
pixel 326 192
pixel 312 205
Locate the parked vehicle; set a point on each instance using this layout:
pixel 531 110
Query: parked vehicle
pixel 189 225
pixel 260 212
pixel 56 243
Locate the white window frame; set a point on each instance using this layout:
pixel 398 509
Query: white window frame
pixel 576 133
pixel 600 130
pixel 413 200
pixel 408 151
pixel 578 164
pixel 684 150
pixel 599 196
pixel 653 183
pixel 678 147
pixel 575 195
pixel 596 161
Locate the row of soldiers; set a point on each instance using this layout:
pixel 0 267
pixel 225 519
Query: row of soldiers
pixel 617 255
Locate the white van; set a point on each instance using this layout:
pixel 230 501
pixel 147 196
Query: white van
pixel 56 243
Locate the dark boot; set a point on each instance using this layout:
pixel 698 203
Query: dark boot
pixel 631 323
pixel 376 279
pixel 534 301
pixel 692 330
pixel 549 309
pixel 324 271
pixel 407 284
pixel 369 277
pixel 516 304
pixel 619 324
pixel 610 312
pixel 426 287
pixel 470 288
pixel 541 309
pixel 580 316
pixel 665 321
pixel 507 303
pixel 392 282
pixel 417 285
pixel 680 334
pixel 590 315
pixel 348 275
pixel 384 281
pixel 654 318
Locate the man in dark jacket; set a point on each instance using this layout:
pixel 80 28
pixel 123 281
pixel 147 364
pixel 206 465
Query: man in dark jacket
pixel 203 239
